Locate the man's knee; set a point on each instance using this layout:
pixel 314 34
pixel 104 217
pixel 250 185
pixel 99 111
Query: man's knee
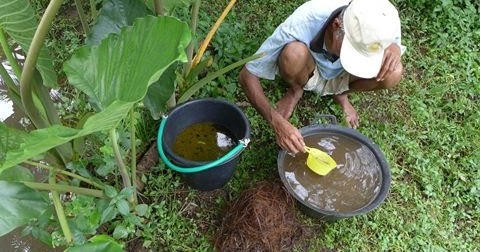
pixel 295 63
pixel 293 53
pixel 393 79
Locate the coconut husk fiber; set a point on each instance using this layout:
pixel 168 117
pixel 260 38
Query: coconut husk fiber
pixel 262 219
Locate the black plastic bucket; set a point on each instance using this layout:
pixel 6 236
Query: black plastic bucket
pixel 204 176
pixel 332 128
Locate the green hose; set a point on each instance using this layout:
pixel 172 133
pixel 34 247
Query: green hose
pixel 242 144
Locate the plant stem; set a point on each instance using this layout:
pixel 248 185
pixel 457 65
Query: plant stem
pixel 27 81
pixel 133 161
pixel 43 94
pixel 73 175
pixel 193 27
pixel 214 75
pixel 65 188
pixel 64 151
pixel 9 54
pixel 81 15
pixel 93 9
pixel 118 158
pixel 171 102
pixel 30 62
pixel 59 209
pixel 159 7
pixel 212 32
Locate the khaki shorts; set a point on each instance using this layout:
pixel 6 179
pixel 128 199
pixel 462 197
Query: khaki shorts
pixel 321 86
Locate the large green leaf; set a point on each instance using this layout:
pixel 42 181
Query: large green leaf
pixel 98 243
pixel 108 118
pixel 20 146
pixel 17 18
pixel 114 15
pixel 23 146
pixel 160 91
pixel 19 205
pixel 123 66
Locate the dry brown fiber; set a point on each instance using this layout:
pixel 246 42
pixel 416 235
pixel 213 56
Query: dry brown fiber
pixel 261 219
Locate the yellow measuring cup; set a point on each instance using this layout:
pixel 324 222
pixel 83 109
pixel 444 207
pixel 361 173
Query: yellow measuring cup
pixel 319 161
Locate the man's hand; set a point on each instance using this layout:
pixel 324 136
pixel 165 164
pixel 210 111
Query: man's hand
pixel 391 60
pixel 288 137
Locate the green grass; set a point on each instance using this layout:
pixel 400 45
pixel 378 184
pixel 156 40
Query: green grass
pixel 428 128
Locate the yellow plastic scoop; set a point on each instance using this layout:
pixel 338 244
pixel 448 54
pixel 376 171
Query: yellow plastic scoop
pixel 319 161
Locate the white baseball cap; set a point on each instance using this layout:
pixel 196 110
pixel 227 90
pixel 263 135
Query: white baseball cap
pixel 370 27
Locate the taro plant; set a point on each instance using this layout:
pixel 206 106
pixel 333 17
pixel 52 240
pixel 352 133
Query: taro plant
pixel 37 76
pixel 115 75
pixel 131 57
pixel 188 79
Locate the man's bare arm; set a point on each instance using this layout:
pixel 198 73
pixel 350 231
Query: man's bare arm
pixel 288 136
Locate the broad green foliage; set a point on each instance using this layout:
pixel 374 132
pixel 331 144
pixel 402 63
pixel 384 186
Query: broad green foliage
pixel 115 74
pixel 114 79
pixel 19 205
pixel 28 145
pixel 141 53
pixel 108 118
pixel 114 15
pixel 17 18
pixel 98 243
pixel 160 91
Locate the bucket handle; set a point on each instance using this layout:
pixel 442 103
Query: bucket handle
pixel 241 145
pixel 331 118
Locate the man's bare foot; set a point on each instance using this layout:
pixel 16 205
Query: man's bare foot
pixel 351 116
pixel 287 103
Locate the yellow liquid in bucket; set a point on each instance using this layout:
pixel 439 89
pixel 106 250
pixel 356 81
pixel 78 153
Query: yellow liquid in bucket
pixel 203 142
